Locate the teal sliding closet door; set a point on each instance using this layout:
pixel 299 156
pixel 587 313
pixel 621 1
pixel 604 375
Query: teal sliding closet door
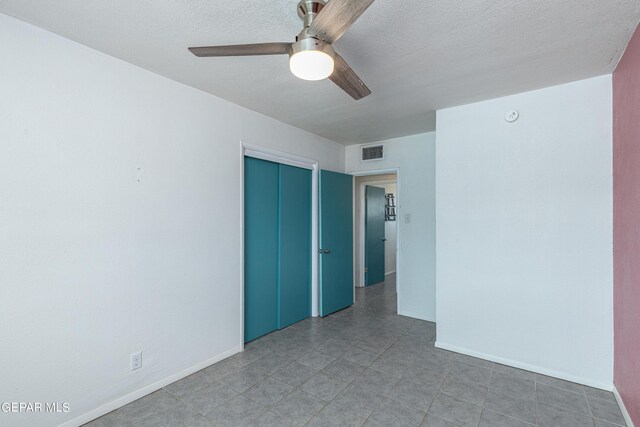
pixel 295 245
pixel 277 246
pixel 260 248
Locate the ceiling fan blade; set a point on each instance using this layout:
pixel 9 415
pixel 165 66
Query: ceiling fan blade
pixel 347 79
pixel 336 18
pixel 242 50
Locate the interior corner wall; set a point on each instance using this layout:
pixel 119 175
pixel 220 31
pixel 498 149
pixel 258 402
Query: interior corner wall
pixel 414 156
pixel 626 227
pixel 524 226
pixel 121 223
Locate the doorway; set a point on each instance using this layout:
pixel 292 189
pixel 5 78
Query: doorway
pixel 331 243
pixel 375 228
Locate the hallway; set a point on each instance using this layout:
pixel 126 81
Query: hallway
pixel 365 366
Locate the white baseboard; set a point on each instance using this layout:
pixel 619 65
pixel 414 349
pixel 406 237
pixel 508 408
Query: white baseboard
pixel 623 408
pixel 389 273
pixel 525 366
pixel 128 398
pixel 414 316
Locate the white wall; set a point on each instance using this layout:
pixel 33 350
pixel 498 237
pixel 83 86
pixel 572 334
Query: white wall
pixel 415 158
pixel 524 224
pixel 95 265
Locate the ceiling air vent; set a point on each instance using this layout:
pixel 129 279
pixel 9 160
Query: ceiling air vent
pixel 372 153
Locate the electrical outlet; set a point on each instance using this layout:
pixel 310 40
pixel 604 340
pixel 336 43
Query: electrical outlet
pixel 136 361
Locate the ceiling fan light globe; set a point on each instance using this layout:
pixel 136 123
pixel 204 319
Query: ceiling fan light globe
pixel 311 65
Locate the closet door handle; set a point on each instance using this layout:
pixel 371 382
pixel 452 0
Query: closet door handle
pixel 324 251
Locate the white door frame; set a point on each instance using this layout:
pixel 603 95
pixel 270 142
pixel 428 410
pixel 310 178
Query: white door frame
pixel 263 153
pixel 359 192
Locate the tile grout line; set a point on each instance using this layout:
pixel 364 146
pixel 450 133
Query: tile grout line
pixel 535 388
pixel 584 393
pixel 436 396
pixel 493 367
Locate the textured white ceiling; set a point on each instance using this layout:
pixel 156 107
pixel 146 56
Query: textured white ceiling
pixel 415 55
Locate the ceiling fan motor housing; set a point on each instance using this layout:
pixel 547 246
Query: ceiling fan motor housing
pixel 308 9
pixel 312 44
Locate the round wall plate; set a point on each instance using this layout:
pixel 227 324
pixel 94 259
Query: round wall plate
pixel 511 116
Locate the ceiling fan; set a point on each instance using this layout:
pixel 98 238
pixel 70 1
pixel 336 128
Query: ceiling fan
pixel 311 56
